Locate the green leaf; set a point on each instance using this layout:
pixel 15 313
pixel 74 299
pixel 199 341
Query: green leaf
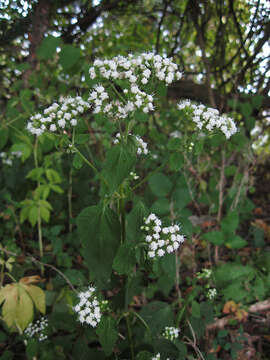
pixel 48 47
pixel 33 215
pixel 53 176
pixel 176 161
pixel 214 237
pixel 195 309
pixel 134 221
pixel 161 207
pixel 181 197
pixel 38 297
pixel 77 162
pixel 119 162
pixel 174 144
pixel 35 174
pixel 257 101
pixel 107 334
pixel 45 213
pixel 69 56
pixel 230 223
pixel 230 271
pixel 24 148
pixel 235 242
pixel 144 355
pixel 99 231
pixel 3 136
pixel 125 259
pixel 81 139
pixel 157 315
pixel 160 184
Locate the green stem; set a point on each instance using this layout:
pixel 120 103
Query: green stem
pixel 40 241
pixel 90 165
pixel 130 338
pixel 122 216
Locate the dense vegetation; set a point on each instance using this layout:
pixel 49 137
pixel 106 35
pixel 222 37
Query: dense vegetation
pixel 133 223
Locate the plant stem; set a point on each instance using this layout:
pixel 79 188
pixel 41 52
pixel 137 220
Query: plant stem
pixel 40 241
pixel 90 164
pixel 130 337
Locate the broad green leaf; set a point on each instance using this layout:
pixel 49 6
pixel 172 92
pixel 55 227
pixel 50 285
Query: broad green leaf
pixel 45 214
pixel 230 271
pixel 166 348
pixel 174 144
pixel 214 237
pixel 35 174
pixel 38 297
pixel 160 184
pixel 181 197
pixel 119 162
pixel 99 231
pixel 230 223
pixel 195 309
pixel 48 47
pixel 157 315
pixel 134 222
pixel 53 176
pixel 161 207
pixel 144 355
pixel 33 215
pixel 77 162
pixel 18 309
pixel 235 242
pixel 107 334
pixel 69 56
pixel 3 136
pixel 176 161
pixel 24 148
pixel 125 259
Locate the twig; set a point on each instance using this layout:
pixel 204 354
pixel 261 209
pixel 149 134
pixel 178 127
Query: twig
pixel 31 258
pixel 257 307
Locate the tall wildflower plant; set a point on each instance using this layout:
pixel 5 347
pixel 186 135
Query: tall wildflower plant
pixel 121 243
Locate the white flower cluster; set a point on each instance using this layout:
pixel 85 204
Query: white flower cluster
pixel 211 293
pixel 37 329
pixel 88 307
pixel 137 71
pixel 7 159
pixel 62 116
pixel 134 176
pixel 161 240
pixel 170 333
pixel 142 145
pixel 157 357
pixel 209 118
pixel 204 274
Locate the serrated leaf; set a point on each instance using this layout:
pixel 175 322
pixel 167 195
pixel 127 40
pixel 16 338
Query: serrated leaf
pixel 125 259
pixel 157 315
pixel 107 334
pixel 119 162
pixel 214 237
pixel 69 56
pixel 230 223
pixel 99 230
pixel 160 184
